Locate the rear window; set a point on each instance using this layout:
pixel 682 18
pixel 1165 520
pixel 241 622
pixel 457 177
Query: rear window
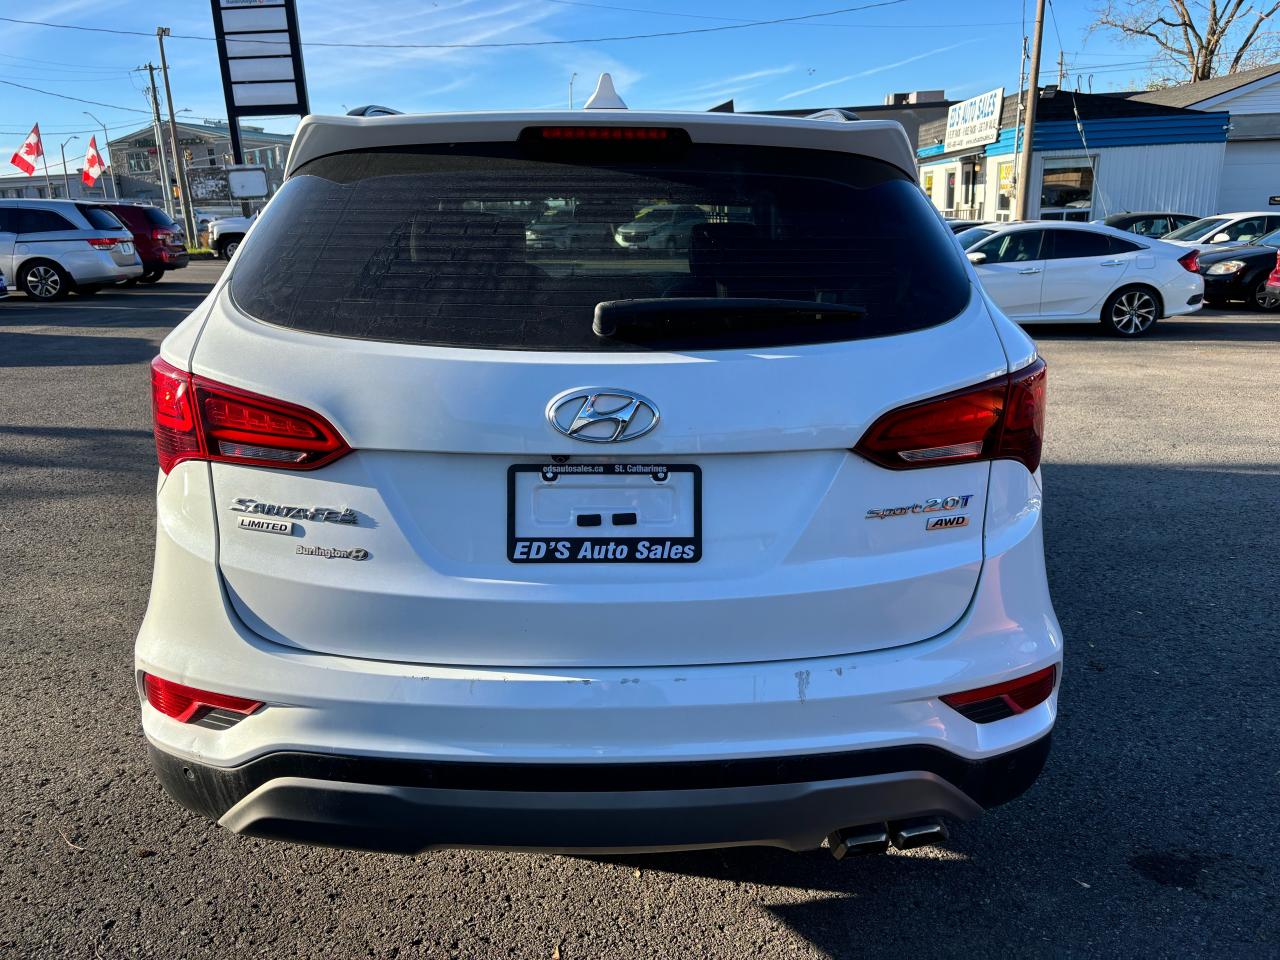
pixel 159 217
pixel 484 245
pixel 99 218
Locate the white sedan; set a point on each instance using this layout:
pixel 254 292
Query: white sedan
pixel 1061 272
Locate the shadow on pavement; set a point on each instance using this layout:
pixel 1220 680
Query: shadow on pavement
pixel 1200 326
pixel 1164 580
pixel 70 350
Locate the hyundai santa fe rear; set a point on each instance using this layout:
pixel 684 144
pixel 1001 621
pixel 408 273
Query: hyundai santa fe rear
pixel 470 541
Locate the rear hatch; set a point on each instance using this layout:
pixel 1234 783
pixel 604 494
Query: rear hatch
pixel 109 234
pixel 673 486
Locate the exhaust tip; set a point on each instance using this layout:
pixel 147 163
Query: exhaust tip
pixel 920 832
pixel 859 841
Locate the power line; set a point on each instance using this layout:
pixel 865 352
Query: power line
pixel 489 45
pixel 705 16
pixel 63 96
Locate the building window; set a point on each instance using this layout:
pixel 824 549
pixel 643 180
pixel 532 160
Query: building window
pixel 1066 189
pixel 1004 195
pixel 951 190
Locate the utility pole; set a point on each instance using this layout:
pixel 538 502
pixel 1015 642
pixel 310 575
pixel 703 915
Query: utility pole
pixel 1029 124
pixel 184 190
pixel 1062 68
pixel 165 193
pixel 110 159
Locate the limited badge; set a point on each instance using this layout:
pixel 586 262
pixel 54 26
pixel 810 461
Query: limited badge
pixel 265 525
pixel 946 523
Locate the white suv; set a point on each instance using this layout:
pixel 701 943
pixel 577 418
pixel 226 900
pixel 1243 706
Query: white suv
pixel 459 546
pixel 52 247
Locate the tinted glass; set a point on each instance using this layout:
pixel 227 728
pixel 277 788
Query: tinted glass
pixel 43 221
pixel 1074 244
pixel 1017 247
pixel 455 245
pixel 973 235
pixel 8 220
pixel 99 218
pixel 1118 245
pixel 1197 229
pixel 158 217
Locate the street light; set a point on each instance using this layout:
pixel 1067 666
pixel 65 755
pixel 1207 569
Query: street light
pixel 572 78
pixel 105 142
pixel 62 149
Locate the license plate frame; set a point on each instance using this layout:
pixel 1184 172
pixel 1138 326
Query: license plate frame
pixel 613 548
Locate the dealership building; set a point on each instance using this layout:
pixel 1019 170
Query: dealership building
pixel 1200 148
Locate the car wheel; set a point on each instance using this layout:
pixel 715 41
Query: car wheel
pixel 1263 300
pixel 151 276
pixel 228 247
pixel 44 280
pixel 1131 312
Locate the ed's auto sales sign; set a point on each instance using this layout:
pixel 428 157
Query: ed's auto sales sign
pixel 975 121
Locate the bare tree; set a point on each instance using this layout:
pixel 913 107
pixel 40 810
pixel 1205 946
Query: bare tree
pixel 1198 39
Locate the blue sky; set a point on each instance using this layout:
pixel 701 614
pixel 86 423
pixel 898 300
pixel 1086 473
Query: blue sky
pixel 846 59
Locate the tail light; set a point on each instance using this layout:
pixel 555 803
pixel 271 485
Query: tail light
pixel 1190 261
pixel 1001 419
pixel 1273 278
pixel 160 233
pixel 102 243
pixel 186 704
pixel 199 419
pixel 1001 700
pixel 602 133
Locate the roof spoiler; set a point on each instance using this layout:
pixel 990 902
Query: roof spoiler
pixel 834 113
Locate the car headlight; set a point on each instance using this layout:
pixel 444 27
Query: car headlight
pixel 1225 267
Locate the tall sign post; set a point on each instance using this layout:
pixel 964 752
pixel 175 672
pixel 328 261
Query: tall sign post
pixel 260 55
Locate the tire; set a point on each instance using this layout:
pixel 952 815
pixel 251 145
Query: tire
pixel 1262 300
pixel 44 280
pixel 151 275
pixel 1131 312
pixel 227 247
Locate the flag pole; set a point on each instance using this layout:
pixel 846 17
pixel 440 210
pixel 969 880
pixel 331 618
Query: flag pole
pixel 44 158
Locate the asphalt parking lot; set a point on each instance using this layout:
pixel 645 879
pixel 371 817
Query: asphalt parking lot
pixel 1149 833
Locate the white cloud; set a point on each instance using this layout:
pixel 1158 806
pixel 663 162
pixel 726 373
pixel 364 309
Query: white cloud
pixel 871 71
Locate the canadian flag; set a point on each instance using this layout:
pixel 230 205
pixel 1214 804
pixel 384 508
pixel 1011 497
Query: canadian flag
pixel 92 164
pixel 30 151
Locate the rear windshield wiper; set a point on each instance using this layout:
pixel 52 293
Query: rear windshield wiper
pixel 658 316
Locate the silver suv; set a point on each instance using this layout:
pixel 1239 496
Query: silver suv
pixel 52 247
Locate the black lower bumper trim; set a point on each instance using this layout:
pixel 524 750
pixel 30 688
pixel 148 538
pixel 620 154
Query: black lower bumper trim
pixel 213 791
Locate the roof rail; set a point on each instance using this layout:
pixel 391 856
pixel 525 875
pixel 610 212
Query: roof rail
pixel 834 113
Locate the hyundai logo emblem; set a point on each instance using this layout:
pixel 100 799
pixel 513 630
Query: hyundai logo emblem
pixel 602 414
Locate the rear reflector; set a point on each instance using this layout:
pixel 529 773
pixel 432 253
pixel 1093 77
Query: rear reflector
pixel 199 419
pixel 1191 261
pixel 186 704
pixel 1000 700
pixel 1001 419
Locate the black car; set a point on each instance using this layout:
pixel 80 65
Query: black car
pixel 1240 273
pixel 958 225
pixel 1149 224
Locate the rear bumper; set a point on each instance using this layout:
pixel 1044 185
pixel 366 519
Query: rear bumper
pixel 407 806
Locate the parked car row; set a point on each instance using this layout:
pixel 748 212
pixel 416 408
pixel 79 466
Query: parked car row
pixel 51 248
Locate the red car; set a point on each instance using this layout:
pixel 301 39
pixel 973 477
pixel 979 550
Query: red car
pixel 157 237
